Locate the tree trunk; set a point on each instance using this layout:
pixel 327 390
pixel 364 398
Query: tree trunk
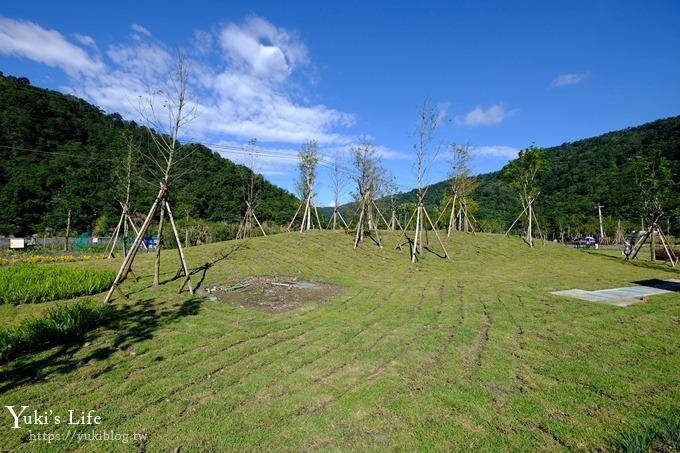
pixel 531 216
pixel 68 230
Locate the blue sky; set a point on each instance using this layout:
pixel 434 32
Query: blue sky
pixel 505 73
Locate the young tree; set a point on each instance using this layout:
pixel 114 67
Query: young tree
pixel 391 190
pixel 462 186
pixel 370 179
pixel 654 178
pixel 308 161
pixel 339 181
pixel 251 182
pixel 123 185
pixel 520 174
pixel 429 119
pixel 173 105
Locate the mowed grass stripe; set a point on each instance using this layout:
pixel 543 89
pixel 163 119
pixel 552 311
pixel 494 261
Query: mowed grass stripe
pixel 233 389
pixel 550 373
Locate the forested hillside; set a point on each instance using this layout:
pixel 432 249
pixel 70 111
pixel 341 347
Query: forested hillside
pixel 58 152
pixel 579 176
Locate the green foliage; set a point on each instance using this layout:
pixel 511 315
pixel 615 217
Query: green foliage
pixel 655 179
pixel 58 325
pixel 42 283
pixel 580 175
pixel 59 152
pixel 520 174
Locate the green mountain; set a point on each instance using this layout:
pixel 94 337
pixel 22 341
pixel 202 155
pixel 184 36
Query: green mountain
pixel 579 176
pixel 58 152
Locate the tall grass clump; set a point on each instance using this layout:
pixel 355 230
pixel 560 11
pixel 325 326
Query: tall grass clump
pixel 56 326
pixel 658 435
pixel 31 284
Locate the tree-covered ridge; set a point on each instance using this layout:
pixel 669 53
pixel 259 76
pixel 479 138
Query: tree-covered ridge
pixel 578 176
pixel 58 152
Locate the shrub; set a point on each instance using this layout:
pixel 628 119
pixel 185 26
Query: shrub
pixel 54 327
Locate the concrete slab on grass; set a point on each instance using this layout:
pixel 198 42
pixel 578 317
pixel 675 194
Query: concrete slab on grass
pixel 623 297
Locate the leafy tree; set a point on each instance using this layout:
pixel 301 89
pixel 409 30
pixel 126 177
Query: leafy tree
pixel 520 175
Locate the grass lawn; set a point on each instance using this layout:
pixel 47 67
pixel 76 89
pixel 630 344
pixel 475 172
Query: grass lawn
pixel 471 353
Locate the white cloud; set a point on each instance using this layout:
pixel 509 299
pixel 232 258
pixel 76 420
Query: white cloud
pixel 481 117
pixel 29 40
pixel 260 48
pixel 506 152
pixel 563 80
pixel 239 84
pixel 202 41
pixel 141 30
pixel 85 40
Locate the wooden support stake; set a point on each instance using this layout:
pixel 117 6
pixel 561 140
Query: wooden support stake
pixel 417 240
pixel 179 248
pixel 290 225
pixel 127 262
pixel 403 230
pixel 446 253
pixel 159 245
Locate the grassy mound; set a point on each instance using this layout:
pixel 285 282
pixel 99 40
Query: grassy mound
pixel 471 353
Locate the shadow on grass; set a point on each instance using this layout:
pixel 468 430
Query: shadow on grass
pixel 129 325
pixel 660 284
pixel 202 269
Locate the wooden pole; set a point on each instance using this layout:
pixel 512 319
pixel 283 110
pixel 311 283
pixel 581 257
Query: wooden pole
pixel 441 214
pixel 187 278
pixel 343 220
pixel 159 244
pixel 446 253
pixel 360 229
pixel 258 224
pixel 453 214
pixel 290 225
pixel 125 231
pixel 403 230
pixel 417 239
pixel 529 237
pixel 316 213
pixel 380 214
pixel 127 262
pixel 516 220
pixel 669 251
pixel 114 238
pixel 639 245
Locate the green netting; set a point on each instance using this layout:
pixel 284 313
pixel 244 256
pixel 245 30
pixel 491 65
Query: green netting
pixel 81 242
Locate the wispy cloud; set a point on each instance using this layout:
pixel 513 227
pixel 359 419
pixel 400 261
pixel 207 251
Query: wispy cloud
pixel 564 80
pixel 85 40
pixel 141 30
pixel 28 40
pixel 506 152
pixel 485 117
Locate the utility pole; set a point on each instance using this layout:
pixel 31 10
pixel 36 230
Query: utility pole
pixel 599 213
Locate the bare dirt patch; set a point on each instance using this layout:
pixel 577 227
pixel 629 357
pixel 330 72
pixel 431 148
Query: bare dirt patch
pixel 271 294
